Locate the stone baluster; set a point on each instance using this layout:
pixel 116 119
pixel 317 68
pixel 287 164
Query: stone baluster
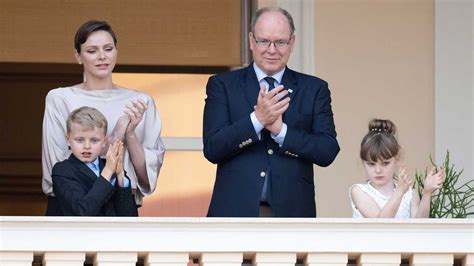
pixel 167 259
pixel 468 260
pixel 379 259
pixel 274 259
pixel 326 259
pixel 221 259
pixel 12 258
pixel 432 260
pixel 64 258
pixel 115 259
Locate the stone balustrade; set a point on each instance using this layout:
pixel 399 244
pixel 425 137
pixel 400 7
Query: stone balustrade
pixel 67 241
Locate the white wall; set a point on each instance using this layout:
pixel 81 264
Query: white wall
pixel 302 11
pixel 454 98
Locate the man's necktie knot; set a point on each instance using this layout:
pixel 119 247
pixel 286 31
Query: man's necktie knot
pixel 271 82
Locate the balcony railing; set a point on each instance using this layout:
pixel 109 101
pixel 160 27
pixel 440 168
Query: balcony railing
pixel 66 241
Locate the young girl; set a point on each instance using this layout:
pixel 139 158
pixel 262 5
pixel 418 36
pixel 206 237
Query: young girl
pixel 384 195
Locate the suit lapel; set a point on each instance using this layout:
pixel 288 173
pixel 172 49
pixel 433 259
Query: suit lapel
pixel 101 164
pixel 83 168
pixel 250 85
pixel 290 83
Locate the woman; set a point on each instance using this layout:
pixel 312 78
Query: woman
pixel 132 115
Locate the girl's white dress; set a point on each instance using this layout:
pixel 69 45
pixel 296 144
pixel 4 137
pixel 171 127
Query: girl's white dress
pixel 381 200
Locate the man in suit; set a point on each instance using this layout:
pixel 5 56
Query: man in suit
pixel 265 126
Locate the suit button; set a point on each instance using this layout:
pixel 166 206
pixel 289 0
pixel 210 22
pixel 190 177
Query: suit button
pixel 262 174
pixel 270 151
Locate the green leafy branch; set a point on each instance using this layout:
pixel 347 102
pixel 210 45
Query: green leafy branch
pixel 453 200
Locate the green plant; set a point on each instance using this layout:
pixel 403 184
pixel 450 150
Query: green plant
pixel 453 200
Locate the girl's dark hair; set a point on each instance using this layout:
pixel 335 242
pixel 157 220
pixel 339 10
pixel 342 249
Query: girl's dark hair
pixel 88 28
pixel 380 142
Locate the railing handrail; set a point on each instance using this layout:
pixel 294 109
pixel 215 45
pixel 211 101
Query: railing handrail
pixel 190 234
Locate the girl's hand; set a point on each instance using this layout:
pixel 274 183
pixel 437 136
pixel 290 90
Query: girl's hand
pixel 135 111
pixel 119 169
pixel 433 180
pixel 405 182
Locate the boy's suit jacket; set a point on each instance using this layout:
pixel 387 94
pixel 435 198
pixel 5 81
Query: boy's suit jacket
pixel 79 192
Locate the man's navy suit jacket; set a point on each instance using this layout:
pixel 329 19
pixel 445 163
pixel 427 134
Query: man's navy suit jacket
pixel 230 141
pixel 79 192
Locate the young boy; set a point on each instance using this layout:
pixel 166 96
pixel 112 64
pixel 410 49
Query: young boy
pixel 85 184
